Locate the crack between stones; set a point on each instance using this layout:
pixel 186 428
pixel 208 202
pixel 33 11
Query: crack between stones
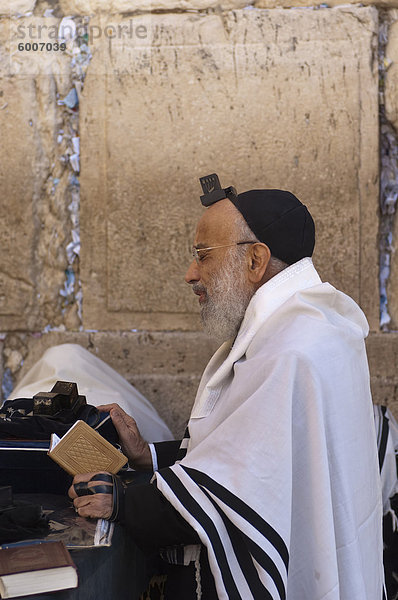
pixel 78 49
pixel 388 180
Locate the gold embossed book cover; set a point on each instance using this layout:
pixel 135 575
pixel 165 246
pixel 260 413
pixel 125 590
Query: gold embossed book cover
pixel 83 450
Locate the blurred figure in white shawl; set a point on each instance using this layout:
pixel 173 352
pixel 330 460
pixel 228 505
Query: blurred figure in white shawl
pixel 274 492
pixel 96 380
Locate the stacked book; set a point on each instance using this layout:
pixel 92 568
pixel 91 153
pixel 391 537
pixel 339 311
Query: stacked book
pixel 36 568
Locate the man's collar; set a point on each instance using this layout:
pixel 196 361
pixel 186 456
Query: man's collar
pixel 272 294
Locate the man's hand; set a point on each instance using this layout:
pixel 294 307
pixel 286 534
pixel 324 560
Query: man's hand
pixel 96 506
pixel 133 444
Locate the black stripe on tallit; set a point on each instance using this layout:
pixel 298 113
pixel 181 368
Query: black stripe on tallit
pixel 182 451
pixel 267 564
pixel 205 521
pixel 376 409
pixel 245 549
pixel 243 510
pixel 383 437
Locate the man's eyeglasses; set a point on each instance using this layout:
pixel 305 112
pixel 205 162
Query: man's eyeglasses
pixel 196 251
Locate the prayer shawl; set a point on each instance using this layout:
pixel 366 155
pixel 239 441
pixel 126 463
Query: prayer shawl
pixel 387 446
pixel 280 478
pixel 387 443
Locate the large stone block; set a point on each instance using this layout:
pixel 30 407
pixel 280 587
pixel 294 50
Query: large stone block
pixel 155 353
pixel 1 366
pixel 382 352
pixel 392 286
pixel 165 367
pixel 279 98
pixel 382 349
pixel 391 78
pixel 329 3
pixel 22 350
pixel 16 7
pixel 172 396
pixel 16 209
pixel 89 7
pixel 33 177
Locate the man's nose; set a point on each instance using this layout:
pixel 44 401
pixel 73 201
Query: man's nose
pixel 192 274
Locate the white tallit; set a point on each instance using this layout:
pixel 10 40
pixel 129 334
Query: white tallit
pixel 387 444
pixel 281 479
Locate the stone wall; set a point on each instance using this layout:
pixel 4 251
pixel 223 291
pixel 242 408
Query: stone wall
pixel 102 144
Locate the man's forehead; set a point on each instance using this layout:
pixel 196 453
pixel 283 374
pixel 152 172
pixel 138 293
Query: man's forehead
pixel 217 223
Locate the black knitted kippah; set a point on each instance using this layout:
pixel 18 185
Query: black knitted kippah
pixel 280 220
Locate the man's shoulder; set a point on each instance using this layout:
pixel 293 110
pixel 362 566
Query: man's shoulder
pixel 307 331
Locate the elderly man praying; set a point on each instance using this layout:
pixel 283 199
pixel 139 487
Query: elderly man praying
pixel 274 492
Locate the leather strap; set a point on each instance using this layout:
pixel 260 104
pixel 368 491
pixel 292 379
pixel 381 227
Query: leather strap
pixel 102 477
pixel 118 498
pixel 101 489
pixel 116 489
pixel 81 488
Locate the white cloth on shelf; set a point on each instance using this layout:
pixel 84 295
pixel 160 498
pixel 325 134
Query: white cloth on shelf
pixel 97 381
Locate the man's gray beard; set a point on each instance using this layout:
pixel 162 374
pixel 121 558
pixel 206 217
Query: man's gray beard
pixel 228 296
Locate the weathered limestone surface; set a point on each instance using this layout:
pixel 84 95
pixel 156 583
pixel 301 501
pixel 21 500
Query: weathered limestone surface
pixel 383 363
pixel 87 7
pixel 154 353
pixel 266 99
pixel 165 367
pixel 15 7
pixel 172 396
pixel 329 3
pixel 21 351
pixel 33 209
pixel 391 80
pixel 1 365
pixel 17 281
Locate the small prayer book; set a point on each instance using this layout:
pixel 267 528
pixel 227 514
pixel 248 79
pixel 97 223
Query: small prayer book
pixel 83 450
pixel 36 568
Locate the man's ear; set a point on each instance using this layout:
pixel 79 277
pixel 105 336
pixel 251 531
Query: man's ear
pixel 258 258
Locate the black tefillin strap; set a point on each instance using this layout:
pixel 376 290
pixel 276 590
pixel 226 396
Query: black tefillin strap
pixel 82 488
pixel 117 489
pixel 213 192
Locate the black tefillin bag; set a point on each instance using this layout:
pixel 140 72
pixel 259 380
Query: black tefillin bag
pixel 26 425
pixel 20 519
